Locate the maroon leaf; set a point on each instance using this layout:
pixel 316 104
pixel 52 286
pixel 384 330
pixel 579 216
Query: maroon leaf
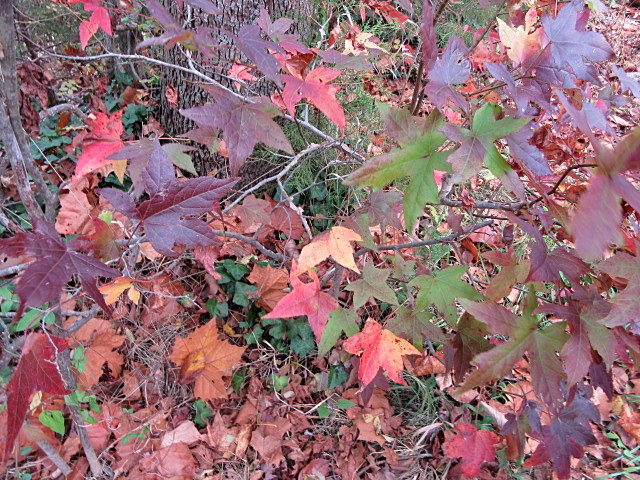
pixel 527 154
pixel 243 124
pixel 626 304
pixel 451 68
pixel 56 263
pixel 469 340
pixel 169 216
pixel 273 29
pixel 36 371
pixel 566 436
pixel 569 45
pixel 428 34
pixel 257 49
pixel 472 446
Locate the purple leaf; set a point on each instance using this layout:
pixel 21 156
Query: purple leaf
pixel 243 124
pixel 451 68
pixel 627 82
pixel 596 222
pixel 55 264
pixel 569 46
pixel 257 49
pixel 428 34
pixel 526 154
pixel 169 215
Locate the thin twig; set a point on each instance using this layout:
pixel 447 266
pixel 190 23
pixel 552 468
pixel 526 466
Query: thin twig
pixel 434 241
pixel 53 455
pixel 273 255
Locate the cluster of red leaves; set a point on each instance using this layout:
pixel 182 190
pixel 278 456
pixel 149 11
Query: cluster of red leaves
pixel 551 413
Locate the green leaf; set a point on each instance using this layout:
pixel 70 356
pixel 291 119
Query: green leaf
pixel 323 410
pixel 203 412
pixel 422 186
pixel 477 145
pixel 337 376
pixel 52 419
pixel 343 403
pixel 415 325
pixel 341 320
pixel 441 289
pixel 301 336
pixel 179 158
pixel 217 309
pixel 372 284
pixel 384 169
pixel 242 295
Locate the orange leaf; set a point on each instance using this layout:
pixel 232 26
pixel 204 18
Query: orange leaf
pixel 205 358
pixel 114 289
pixel 271 283
pixel 473 446
pixel 334 243
pixel 380 348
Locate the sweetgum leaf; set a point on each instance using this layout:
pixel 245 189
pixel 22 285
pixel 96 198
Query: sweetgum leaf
pixel 566 435
pixel 306 299
pixel 428 36
pixel 56 263
pixel 570 46
pixel 452 68
pixel 372 284
pixel 415 326
pixel 441 289
pixel 101 141
pixel 473 446
pixel 477 144
pixel 542 346
pixel 469 340
pixel 341 320
pixel 36 371
pixel 380 349
pixel 169 216
pixel 257 49
pixel 243 124
pixel 316 88
pixel 626 304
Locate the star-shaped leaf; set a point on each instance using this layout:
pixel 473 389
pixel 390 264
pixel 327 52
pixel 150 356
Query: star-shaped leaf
pixel 55 264
pixel 525 335
pixel 205 359
pixel 372 284
pixel 306 299
pixel 341 320
pixel 380 349
pixel 257 49
pixel 441 289
pixel 101 141
pixel 626 304
pixel 415 326
pixel 316 88
pixel 243 124
pixel 473 446
pixel 333 243
pixel 170 214
pixel 477 145
pixel 452 68
pixel 570 45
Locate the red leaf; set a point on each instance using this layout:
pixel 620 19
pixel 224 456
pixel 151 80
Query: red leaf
pixel 36 371
pixel 99 19
pixel 473 446
pixel 102 140
pixel 380 348
pixel 170 214
pixel 428 33
pixel 306 299
pixel 316 88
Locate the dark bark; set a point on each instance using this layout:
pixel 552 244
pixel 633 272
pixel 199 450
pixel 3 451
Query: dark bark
pixel 235 14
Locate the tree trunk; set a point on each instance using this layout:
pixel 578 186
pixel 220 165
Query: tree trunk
pixel 235 14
